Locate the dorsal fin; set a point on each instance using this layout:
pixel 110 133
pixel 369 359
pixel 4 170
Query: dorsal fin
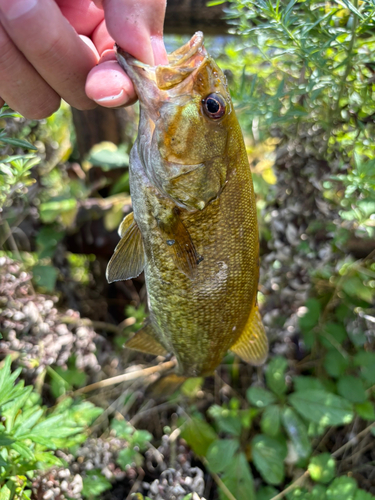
pixel 252 346
pixel 128 259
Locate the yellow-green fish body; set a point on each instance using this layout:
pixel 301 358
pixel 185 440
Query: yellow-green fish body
pixel 194 228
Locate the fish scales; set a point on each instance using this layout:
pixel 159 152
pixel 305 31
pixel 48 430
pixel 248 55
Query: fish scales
pixel 194 216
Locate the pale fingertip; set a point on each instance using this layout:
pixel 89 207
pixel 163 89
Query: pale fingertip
pixel 159 51
pixel 108 85
pixel 102 39
pixel 91 46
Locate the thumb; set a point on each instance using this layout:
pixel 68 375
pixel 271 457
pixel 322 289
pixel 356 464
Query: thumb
pixel 137 26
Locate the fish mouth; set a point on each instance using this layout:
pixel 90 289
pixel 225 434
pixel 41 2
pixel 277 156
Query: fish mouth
pixel 150 80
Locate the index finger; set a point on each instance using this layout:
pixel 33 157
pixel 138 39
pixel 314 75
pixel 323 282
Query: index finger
pixel 51 45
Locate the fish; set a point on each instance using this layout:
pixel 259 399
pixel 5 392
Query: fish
pixel 193 229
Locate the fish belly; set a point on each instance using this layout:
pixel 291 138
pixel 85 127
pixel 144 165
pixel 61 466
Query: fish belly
pixel 200 319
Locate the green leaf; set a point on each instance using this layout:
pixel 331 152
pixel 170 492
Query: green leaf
pixel 333 335
pixel 52 210
pixel 108 156
pixel 322 407
pixel 302 383
pixel 269 455
pixel 122 428
pixel 365 410
pixel 363 495
pixel 266 493
pixel 297 432
pixel 352 388
pixel 18 143
pixel 366 361
pixel 350 6
pixel 228 420
pixel 322 468
pixel 126 457
pixel 220 454
pixel 45 276
pixel 23 450
pixel 6 492
pixel 312 315
pixel 318 492
pixel 260 397
pixel 215 2
pixel 141 439
pixel 199 435
pixel 5 440
pixel 94 484
pixel 335 363
pixel 238 479
pixel 270 422
pixel 275 375
pixel 342 488
pixel 355 288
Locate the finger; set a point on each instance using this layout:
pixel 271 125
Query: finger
pixel 51 45
pixel 102 39
pixel 1 103
pixel 21 87
pixel 108 85
pixel 137 26
pixel 83 15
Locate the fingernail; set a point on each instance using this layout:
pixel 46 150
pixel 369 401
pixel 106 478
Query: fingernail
pixel 12 9
pixel 111 98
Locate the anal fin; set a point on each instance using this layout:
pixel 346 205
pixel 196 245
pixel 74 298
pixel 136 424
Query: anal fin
pixel 252 346
pixel 166 385
pixel 145 340
pixel 128 259
pixel 178 239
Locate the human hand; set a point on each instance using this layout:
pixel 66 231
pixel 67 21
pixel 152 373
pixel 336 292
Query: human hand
pixel 58 48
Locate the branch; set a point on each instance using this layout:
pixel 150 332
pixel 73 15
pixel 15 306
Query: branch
pixel 127 377
pixel 98 325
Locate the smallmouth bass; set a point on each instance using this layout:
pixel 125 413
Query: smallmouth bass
pixel 194 228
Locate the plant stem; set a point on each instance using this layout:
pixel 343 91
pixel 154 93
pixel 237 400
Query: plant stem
pixel 349 62
pixel 127 377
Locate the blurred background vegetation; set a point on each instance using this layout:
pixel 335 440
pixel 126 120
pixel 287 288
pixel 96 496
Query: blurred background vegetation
pixel 302 77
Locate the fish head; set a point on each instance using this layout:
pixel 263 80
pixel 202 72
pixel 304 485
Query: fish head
pixel 185 120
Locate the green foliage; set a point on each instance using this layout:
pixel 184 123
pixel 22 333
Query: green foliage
pixel 94 484
pixel 269 455
pixel 137 441
pixel 30 433
pixel 322 468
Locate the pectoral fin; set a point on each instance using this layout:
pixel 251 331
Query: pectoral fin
pixel 252 346
pixel 178 239
pixel 145 340
pixel 128 259
pixel 126 222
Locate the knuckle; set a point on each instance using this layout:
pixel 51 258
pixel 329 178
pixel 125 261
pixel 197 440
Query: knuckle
pixel 48 52
pixel 85 106
pixel 42 110
pixel 7 54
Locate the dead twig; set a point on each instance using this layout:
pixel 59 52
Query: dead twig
pixel 127 377
pixel 99 325
pixel 291 487
pixel 338 452
pixel 220 483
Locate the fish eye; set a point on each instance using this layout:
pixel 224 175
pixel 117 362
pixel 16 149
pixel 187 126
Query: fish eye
pixel 214 106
